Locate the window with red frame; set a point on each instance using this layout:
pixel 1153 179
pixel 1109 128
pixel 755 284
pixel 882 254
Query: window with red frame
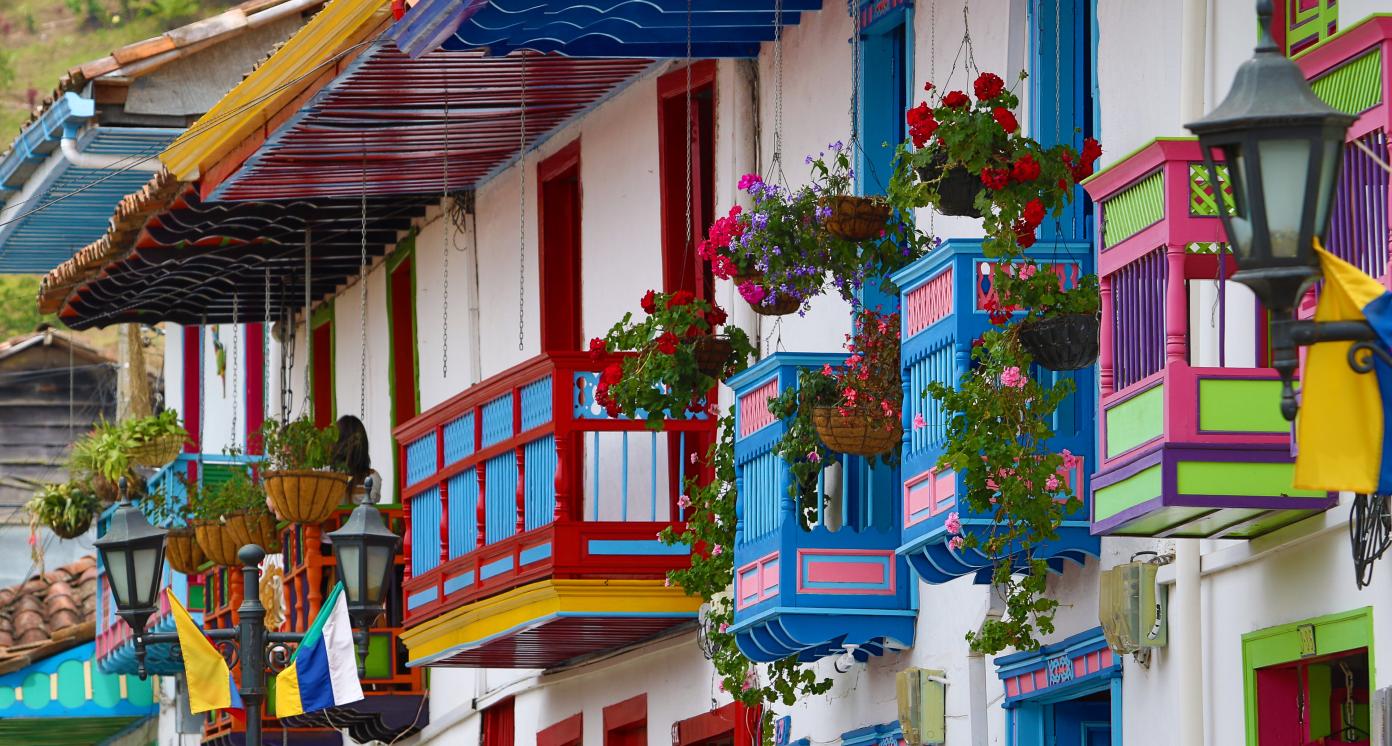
pixel 497 726
pixel 568 732
pixel 731 725
pixel 321 365
pixel 626 723
pixel 558 211
pixel 678 136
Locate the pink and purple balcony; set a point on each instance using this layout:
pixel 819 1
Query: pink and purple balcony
pixel 943 299
pixel 533 517
pixel 816 573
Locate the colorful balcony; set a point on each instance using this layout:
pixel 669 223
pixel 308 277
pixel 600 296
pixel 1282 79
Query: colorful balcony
pixel 1191 437
pixel 294 584
pixel 817 575
pixel 942 300
pixel 533 520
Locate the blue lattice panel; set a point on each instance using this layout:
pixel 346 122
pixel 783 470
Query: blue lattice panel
pixel 943 298
pixel 816 573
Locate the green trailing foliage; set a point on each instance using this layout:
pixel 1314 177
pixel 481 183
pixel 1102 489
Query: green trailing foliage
pixel 298 444
pixel 68 508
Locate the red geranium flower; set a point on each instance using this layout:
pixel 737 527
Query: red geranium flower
pixel 1034 212
pixel 956 100
pixel 611 374
pixel 995 178
pixel 1024 233
pixel 716 316
pixel 1025 168
pixel 649 302
pixel 598 347
pixel 988 85
pixel 922 125
pixel 667 343
pixel 928 87
pixel 1005 119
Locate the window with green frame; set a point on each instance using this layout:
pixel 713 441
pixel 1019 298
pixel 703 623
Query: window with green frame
pixel 1309 682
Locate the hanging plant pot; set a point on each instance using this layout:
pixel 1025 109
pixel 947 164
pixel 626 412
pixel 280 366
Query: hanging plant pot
pixel 856 218
pixel 957 188
pixel 781 306
pixel 245 527
pixel 157 452
pixel 216 541
pixel 105 488
pixel 1067 342
pixel 713 353
pixel 856 434
pixel 70 528
pixel 182 550
pixel 306 496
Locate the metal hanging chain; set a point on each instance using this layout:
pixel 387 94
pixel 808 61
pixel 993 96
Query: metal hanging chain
pixel 447 214
pixel 854 9
pixel 362 295
pixel 690 136
pixel 287 358
pixel 522 211
pixel 202 394
pixel 776 162
pixel 308 401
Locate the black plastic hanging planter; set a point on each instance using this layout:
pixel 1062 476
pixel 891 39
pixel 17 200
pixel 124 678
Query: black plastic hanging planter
pixel 1066 342
pixel 957 188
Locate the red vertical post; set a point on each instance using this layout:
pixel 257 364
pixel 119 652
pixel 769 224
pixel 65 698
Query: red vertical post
pixel 255 385
pixel 482 473
pixel 562 389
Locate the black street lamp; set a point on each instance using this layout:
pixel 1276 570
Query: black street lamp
pixel 133 552
pixel 1282 146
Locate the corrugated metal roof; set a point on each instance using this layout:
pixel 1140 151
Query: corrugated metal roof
pixel 316 52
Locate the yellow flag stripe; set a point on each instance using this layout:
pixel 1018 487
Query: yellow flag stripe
pixel 208 678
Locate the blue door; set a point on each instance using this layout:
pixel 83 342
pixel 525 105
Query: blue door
pixel 1082 723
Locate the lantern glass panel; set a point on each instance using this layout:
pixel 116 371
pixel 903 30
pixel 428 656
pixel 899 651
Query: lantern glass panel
pixel 1285 167
pixel 378 559
pixel 147 571
pixel 349 567
pixel 1329 164
pixel 1239 217
pixel 119 577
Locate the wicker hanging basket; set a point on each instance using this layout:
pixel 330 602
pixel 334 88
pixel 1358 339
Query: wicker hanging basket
pixel 257 528
pixel 1067 342
pixel 782 306
pixel 957 188
pixel 216 541
pixel 713 353
pixel 856 218
pixel 306 496
pixel 856 434
pixel 70 529
pixel 183 551
pixel 105 489
pixel 157 452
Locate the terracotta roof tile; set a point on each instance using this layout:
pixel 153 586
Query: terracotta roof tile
pixel 47 613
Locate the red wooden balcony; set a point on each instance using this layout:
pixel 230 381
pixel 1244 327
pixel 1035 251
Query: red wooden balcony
pixel 533 519
pixel 302 575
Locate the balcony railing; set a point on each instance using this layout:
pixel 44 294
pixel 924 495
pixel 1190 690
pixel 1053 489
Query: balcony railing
pixel 815 572
pixel 943 299
pixel 523 478
pixel 1191 440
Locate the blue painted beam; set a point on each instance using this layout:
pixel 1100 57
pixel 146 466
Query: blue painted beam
pixel 40 138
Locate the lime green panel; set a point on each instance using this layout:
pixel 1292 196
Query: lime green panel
pixel 1241 405
pixel 1133 490
pixel 378 664
pixel 72 691
pixel 1133 210
pixel 106 688
pixel 1135 421
pixel 1355 86
pixel 1321 686
pixel 1280 519
pixel 1216 521
pixel 36 690
pixel 1230 478
pixel 1160 521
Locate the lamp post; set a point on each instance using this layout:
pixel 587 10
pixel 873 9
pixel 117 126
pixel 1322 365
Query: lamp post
pixel 1282 147
pixel 133 552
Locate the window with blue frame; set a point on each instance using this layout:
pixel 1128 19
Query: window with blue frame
pixel 1063 95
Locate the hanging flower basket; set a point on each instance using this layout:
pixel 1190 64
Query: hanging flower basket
pixel 713 353
pixel 246 527
pixel 70 528
pixel 957 188
pixel 856 218
pixel 157 452
pixel 182 550
pixel 306 496
pixel 783 305
pixel 1066 342
pixel 105 488
pixel 216 541
pixel 856 434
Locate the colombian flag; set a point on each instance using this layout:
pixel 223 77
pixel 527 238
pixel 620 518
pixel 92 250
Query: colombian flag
pixel 1345 416
pixel 324 670
pixel 210 685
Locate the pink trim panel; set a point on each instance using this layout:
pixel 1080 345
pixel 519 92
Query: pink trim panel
pixel 928 304
pixel 754 413
pixel 867 572
pixel 929 494
pixel 845 572
pixel 757 581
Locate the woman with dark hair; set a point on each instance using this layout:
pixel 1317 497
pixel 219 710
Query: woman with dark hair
pixel 351 457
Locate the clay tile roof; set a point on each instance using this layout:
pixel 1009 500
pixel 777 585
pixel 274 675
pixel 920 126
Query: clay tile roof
pixel 47 613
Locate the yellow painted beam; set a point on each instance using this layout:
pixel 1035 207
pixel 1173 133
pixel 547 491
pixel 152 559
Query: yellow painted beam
pixel 332 35
pixel 539 602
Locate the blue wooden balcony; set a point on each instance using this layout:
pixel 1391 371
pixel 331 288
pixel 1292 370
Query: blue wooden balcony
pixel 815 574
pixel 943 297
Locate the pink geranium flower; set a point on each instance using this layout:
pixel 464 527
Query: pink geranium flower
pixel 683 502
pixel 953 524
pixel 1012 378
pixel 956 543
pixel 918 422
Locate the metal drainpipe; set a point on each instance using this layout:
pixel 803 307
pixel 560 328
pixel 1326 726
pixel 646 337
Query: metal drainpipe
pixel 80 159
pixel 1188 683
